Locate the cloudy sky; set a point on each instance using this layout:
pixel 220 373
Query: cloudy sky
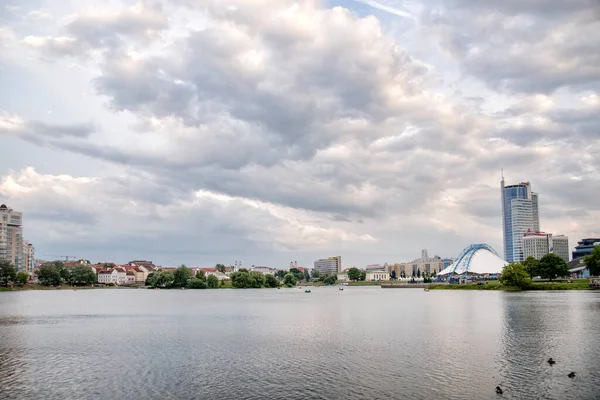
pixel 204 131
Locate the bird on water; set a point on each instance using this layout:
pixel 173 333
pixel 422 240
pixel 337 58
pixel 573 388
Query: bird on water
pixel 551 361
pixel 498 390
pixel 571 375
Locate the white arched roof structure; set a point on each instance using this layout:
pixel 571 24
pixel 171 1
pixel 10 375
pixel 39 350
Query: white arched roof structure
pixel 476 259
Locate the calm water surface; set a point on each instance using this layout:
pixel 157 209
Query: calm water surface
pixel 362 343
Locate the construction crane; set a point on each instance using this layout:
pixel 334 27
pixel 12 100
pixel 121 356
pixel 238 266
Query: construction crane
pixel 65 257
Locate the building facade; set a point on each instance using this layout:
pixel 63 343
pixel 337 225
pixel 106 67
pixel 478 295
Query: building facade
pixel 29 257
pixel 11 237
pixel 519 215
pixel 329 266
pixel 425 264
pixel 585 247
pixel 538 244
pixel 560 244
pixel 373 275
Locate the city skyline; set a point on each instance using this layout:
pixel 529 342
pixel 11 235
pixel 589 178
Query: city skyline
pixel 266 131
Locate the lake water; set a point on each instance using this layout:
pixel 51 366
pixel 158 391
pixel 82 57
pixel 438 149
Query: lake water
pixel 362 343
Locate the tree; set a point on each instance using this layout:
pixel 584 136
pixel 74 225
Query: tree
pixel 271 281
pixel 315 274
pixel 212 281
pixel 330 280
pixel 149 279
pixel 49 275
pixel 82 275
pixel 220 268
pixel 354 274
pixel 257 279
pixel 297 273
pixel 281 273
pixel 163 279
pixel 306 275
pixel 8 273
pixel 289 280
pixel 22 278
pixel 363 275
pixel 200 275
pixel 196 283
pixel 592 261
pixel 515 275
pixel 393 274
pixel 241 279
pixel 418 273
pixel 552 266
pixel 243 270
pixel 531 265
pixel 222 282
pixel 181 276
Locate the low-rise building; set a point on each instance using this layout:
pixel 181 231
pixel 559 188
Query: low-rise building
pixel 108 275
pixel 130 277
pixel 578 269
pixel 374 275
pixel 264 270
pixel 121 276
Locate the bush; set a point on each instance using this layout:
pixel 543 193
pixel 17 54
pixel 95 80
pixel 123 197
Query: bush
pixel 195 283
pixel 271 281
pixel 515 275
pixel 212 282
pixel 289 280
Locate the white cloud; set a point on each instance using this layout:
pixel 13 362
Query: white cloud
pixel 270 127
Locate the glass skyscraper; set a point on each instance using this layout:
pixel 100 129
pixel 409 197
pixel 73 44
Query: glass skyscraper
pixel 519 215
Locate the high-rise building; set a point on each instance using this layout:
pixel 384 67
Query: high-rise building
pixel 538 244
pixel 519 215
pixel 585 247
pixel 560 244
pixel 11 237
pixel 28 257
pixel 329 266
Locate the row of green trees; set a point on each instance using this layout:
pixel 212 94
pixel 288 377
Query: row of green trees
pixel 9 274
pixel 56 273
pixel 182 277
pixel 520 275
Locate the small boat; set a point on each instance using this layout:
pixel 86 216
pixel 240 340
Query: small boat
pixel 307 291
pixel 341 287
pixel 426 289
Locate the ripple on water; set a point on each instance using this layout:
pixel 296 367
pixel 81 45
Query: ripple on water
pixel 365 344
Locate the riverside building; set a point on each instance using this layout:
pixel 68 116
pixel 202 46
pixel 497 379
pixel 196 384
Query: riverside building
pixel 519 215
pixel 329 266
pixel 538 244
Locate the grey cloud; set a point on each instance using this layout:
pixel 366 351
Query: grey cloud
pixel 101 30
pixel 522 46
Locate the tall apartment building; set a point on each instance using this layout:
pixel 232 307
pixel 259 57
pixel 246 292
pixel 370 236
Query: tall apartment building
pixel 28 257
pixel 329 266
pixel 11 237
pixel 585 247
pixel 538 244
pixel 519 215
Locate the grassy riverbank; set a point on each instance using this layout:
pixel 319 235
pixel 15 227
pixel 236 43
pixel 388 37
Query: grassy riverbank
pixel 578 284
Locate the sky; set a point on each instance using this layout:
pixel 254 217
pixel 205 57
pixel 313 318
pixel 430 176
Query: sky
pixel 270 131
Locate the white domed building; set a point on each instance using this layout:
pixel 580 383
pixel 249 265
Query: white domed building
pixel 476 259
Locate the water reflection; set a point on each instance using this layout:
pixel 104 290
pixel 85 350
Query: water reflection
pixel 543 325
pixel 362 343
